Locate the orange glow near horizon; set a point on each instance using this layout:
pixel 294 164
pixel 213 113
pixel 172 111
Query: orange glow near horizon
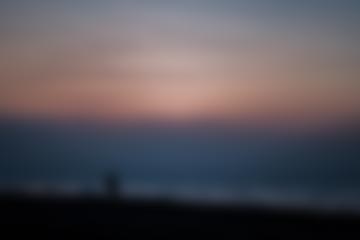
pixel 165 64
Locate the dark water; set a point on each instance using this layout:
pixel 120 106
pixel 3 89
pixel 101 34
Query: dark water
pixel 208 162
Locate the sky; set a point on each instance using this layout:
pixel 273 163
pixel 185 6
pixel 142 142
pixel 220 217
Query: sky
pixel 284 62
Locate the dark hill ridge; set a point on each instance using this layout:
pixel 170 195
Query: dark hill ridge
pixel 88 217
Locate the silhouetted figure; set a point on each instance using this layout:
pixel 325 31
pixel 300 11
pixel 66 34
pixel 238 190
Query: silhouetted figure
pixel 112 187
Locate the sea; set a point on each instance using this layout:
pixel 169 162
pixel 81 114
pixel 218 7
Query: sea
pixel 191 162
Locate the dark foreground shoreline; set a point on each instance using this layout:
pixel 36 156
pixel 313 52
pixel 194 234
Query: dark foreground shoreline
pixel 104 218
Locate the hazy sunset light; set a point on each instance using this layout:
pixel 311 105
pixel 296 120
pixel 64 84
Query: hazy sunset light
pixel 179 61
